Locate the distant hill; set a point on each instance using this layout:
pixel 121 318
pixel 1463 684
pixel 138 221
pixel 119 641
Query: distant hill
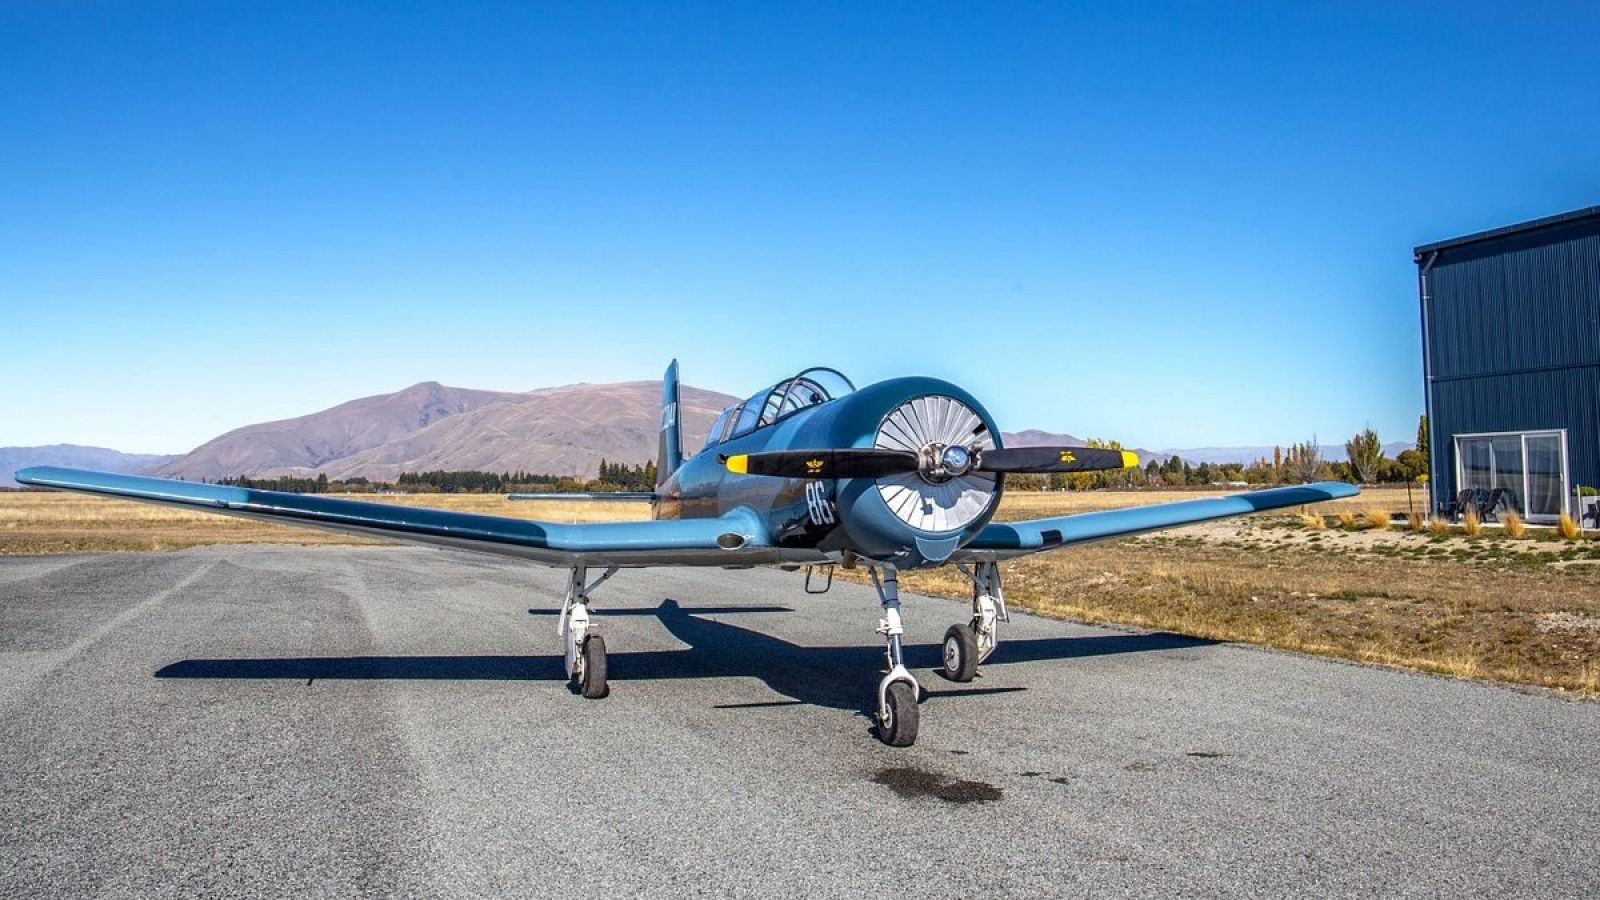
pixel 1033 437
pixel 76 457
pixel 559 431
pixel 307 443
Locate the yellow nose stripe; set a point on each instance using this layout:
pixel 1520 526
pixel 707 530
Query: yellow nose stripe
pixel 739 463
pixel 1130 460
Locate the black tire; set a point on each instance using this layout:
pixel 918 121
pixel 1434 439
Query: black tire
pixel 593 682
pixel 959 662
pixel 900 729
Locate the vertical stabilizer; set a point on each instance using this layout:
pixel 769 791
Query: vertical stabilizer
pixel 670 455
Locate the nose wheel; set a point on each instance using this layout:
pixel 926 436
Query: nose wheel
pixel 898 692
pixel 897 724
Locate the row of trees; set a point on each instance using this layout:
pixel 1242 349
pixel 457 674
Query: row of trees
pixel 292 484
pixel 1364 463
pixel 628 478
pixel 613 476
pixel 1297 463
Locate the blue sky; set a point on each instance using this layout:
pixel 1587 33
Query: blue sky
pixel 1176 225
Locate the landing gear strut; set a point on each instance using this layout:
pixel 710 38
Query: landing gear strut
pixel 586 653
pixel 898 691
pixel 967 645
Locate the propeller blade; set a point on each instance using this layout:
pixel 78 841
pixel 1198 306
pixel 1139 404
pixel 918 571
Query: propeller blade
pixel 1048 460
pixel 845 463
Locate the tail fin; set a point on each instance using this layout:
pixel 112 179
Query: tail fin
pixel 670 455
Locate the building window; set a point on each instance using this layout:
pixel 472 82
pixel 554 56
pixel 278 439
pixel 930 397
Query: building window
pixel 1530 468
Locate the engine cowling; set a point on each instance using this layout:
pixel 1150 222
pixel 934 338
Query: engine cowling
pixel 917 518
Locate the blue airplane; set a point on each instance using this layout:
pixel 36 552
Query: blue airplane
pixel 811 472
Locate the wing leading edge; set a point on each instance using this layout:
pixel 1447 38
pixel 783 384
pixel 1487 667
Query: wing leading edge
pixel 1005 540
pixel 737 538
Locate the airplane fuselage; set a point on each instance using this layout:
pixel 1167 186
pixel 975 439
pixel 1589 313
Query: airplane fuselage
pixel 843 515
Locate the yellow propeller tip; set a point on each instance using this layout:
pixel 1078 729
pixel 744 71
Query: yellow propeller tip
pixel 1130 460
pixel 739 463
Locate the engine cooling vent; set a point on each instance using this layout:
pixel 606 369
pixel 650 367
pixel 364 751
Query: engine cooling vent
pixel 936 421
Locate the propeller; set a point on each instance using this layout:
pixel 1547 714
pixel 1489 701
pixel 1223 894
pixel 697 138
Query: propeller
pixel 935 462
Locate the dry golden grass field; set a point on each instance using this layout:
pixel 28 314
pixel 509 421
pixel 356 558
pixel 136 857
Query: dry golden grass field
pixel 1524 610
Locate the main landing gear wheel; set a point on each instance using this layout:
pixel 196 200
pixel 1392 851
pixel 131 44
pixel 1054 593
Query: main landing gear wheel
pixel 585 658
pixel 960 660
pixel 898 727
pixel 591 678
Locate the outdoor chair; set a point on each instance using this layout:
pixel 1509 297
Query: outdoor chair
pixel 1492 503
pixel 1452 510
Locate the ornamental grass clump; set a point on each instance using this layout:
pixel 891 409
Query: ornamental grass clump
pixel 1439 526
pixel 1347 520
pixel 1377 518
pixel 1513 524
pixel 1471 524
pixel 1568 528
pixel 1315 523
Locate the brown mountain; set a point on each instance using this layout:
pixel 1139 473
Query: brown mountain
pixel 563 430
pixel 559 431
pixel 307 443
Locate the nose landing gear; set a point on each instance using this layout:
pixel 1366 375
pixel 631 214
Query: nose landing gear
pixel 898 692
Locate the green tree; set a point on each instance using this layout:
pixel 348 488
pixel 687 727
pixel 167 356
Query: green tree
pixel 1365 453
pixel 1422 439
pixel 1305 460
pixel 1411 464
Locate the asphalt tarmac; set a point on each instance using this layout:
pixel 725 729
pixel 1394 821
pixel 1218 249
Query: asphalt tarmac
pixel 277 721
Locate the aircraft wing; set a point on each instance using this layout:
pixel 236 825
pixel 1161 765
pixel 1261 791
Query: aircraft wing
pixel 1007 540
pixel 732 540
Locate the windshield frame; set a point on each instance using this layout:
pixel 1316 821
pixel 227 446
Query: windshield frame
pixel 772 404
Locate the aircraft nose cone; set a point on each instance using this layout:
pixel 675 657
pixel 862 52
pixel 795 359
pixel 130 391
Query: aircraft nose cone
pixel 956 459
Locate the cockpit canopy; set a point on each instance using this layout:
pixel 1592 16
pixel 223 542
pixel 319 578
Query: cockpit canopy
pixel 812 387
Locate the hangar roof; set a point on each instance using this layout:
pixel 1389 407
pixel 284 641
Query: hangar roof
pixel 1535 225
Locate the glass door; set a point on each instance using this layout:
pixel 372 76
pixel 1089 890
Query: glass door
pixel 1529 468
pixel 1546 475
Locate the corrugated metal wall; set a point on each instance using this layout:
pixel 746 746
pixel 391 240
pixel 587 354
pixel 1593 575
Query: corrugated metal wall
pixel 1513 343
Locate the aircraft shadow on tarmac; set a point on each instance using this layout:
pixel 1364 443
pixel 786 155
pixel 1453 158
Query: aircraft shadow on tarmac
pixel 819 676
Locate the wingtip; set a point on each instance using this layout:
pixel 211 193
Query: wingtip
pixel 1339 489
pixel 29 475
